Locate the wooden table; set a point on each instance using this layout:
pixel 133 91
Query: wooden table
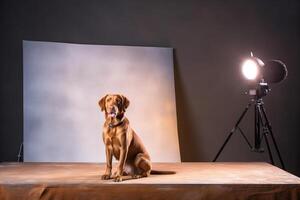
pixel 202 180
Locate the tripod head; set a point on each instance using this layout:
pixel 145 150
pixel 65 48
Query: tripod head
pixel 260 91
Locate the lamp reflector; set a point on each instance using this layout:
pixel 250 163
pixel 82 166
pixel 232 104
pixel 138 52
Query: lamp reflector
pixel 274 71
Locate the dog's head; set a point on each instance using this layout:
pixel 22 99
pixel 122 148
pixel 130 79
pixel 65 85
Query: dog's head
pixel 113 104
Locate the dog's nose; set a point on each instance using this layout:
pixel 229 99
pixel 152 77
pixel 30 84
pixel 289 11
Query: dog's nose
pixel 112 108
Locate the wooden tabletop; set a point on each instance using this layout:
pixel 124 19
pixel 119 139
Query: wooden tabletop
pixel 186 173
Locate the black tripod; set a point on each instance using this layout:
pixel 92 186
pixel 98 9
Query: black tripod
pixel 262 125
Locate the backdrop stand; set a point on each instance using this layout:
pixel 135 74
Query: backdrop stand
pixel 20 154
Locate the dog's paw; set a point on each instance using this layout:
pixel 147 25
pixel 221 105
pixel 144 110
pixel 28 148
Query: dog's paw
pixel 105 177
pixel 136 176
pixel 118 179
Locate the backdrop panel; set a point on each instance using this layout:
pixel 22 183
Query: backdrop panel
pixel 63 84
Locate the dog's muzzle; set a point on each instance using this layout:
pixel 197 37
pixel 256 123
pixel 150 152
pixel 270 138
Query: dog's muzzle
pixel 112 112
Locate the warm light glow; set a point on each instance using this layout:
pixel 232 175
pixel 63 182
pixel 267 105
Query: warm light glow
pixel 250 69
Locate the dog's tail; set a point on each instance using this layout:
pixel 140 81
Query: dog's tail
pixel 159 172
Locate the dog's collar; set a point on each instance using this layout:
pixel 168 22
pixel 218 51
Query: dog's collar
pixel 111 125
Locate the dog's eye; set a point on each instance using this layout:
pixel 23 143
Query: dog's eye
pixel 118 101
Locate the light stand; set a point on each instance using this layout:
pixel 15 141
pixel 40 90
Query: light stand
pixel 261 124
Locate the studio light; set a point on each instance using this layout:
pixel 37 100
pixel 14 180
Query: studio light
pixel 273 71
pixel 255 70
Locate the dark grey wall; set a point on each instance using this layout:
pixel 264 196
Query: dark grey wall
pixel 210 38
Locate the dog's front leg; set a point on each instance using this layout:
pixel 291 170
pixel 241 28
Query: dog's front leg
pixel 120 169
pixel 109 154
pixel 122 160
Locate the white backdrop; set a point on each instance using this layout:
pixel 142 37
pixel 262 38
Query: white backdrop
pixel 63 84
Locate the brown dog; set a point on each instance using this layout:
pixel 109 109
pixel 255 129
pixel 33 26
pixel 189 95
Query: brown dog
pixel 121 141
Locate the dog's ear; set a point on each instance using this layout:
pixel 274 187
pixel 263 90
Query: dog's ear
pixel 102 103
pixel 125 102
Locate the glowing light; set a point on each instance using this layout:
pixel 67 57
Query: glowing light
pixel 250 69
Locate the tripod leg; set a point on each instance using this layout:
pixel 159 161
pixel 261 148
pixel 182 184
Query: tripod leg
pixel 257 128
pixel 244 136
pixel 265 133
pixel 232 131
pixel 269 149
pixel 272 136
pixel 224 144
